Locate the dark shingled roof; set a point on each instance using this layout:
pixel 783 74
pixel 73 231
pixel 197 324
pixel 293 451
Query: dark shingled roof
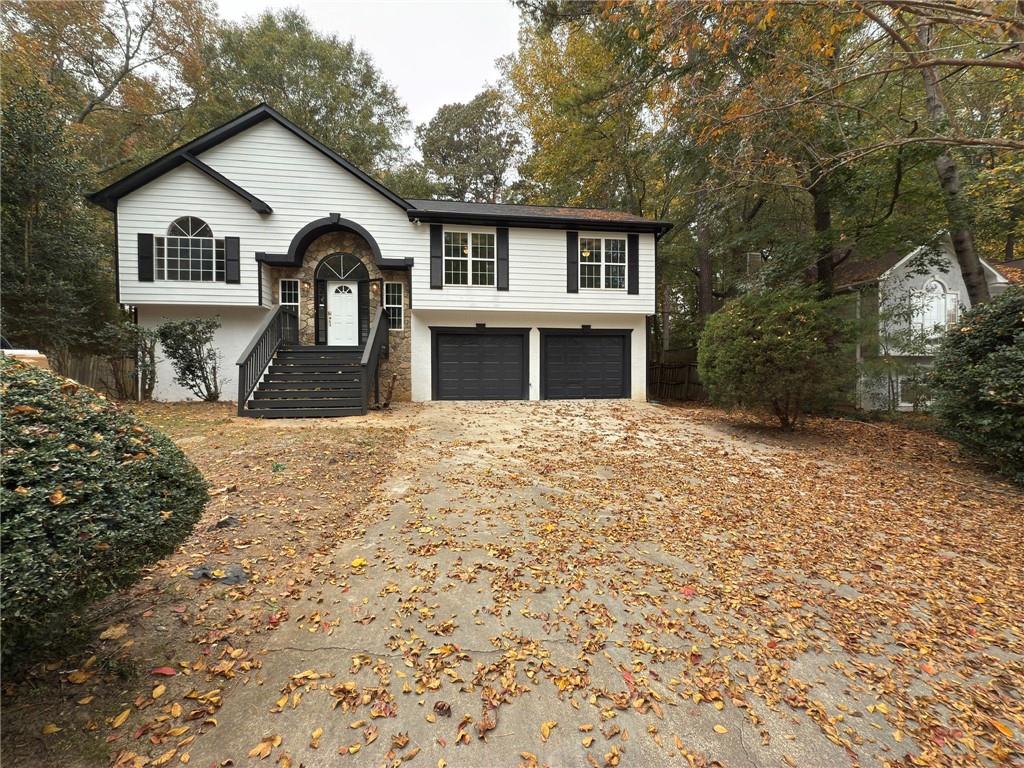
pixel 438 210
pixel 1013 271
pixel 851 273
pixel 507 209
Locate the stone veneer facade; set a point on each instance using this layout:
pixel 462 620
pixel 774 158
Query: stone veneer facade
pixel 400 353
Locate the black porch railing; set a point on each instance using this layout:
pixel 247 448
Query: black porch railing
pixel 376 347
pixel 282 327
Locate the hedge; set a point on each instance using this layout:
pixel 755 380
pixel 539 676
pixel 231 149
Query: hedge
pixel 978 383
pixel 784 351
pixel 90 496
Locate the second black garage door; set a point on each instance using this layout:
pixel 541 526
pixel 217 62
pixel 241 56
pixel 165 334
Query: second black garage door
pixel 480 363
pixel 578 363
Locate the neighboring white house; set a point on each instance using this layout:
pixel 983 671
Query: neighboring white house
pixel 297 252
pixel 915 298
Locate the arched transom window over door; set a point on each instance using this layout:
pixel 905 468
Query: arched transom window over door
pixel 342 266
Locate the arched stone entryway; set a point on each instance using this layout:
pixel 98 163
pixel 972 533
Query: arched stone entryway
pixel 312 247
pixel 313 277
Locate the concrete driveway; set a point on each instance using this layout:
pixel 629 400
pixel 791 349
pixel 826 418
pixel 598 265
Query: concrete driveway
pixel 615 583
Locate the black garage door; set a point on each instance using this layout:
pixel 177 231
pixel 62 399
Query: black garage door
pixel 584 364
pixel 480 364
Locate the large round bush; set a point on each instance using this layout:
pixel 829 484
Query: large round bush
pixel 90 496
pixel 978 382
pixel 782 350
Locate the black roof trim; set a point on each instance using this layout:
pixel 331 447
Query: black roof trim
pixel 254 202
pixel 274 259
pixel 109 195
pixel 541 222
pixel 284 260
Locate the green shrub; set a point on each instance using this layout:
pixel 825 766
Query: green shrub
pixel 189 346
pixel 783 350
pixel 89 496
pixel 978 383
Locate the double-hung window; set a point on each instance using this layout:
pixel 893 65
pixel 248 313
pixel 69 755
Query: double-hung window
pixel 289 292
pixel 189 252
pixel 393 304
pixel 603 262
pixel 469 258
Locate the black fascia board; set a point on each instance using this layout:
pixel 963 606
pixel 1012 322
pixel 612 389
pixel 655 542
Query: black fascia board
pixel 284 260
pixel 540 222
pixel 254 202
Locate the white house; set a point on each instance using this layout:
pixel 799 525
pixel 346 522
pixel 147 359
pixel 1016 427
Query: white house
pixel 321 278
pixel 910 300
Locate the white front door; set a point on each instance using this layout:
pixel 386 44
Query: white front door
pixel 343 314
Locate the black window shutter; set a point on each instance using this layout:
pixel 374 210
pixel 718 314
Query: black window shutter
pixel 321 311
pixel 363 300
pixel 572 262
pixel 145 257
pixel 232 261
pixel 436 260
pixel 632 263
pixel 502 258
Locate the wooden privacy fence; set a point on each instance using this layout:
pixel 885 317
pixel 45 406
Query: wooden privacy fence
pixel 674 381
pixel 114 380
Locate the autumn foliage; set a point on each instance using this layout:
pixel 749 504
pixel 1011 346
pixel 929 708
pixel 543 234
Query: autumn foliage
pixel 978 383
pixel 781 350
pixel 90 495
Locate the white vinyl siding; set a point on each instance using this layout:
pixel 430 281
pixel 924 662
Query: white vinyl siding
pixel 303 185
pixel 296 180
pixel 537 279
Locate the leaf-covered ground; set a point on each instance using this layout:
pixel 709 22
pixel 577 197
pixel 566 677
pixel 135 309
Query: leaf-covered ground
pixel 559 584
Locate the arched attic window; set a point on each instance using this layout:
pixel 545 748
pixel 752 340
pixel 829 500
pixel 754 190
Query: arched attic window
pixel 189 252
pixel 189 226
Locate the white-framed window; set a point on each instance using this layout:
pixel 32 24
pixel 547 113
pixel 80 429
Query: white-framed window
pixel 470 257
pixel 393 304
pixel 603 262
pixel 288 292
pixel 189 252
pixel 935 308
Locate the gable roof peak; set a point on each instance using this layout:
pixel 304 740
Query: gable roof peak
pixel 109 195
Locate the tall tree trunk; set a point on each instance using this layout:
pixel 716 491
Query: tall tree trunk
pixel 821 198
pixel 957 209
pixel 706 301
pixel 666 318
pixel 1010 247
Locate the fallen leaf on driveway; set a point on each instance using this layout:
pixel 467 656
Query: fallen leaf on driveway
pixel 265 747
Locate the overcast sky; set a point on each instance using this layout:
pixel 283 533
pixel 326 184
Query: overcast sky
pixel 433 52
